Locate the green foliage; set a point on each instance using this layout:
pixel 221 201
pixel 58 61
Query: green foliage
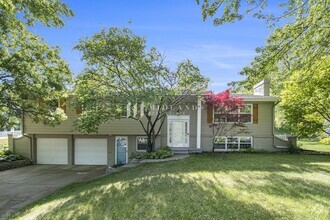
pixel 248 150
pixel 7 156
pixel 298 47
pixel 224 11
pixel 218 186
pixel 30 70
pixel 306 100
pixel 161 153
pixel 120 71
pixel 325 141
pixel 293 149
pixel 5 152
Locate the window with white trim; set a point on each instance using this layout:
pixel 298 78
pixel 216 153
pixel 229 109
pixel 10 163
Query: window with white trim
pixel 232 143
pixel 243 115
pixel 141 143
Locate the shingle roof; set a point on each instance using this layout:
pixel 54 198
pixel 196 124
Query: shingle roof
pixel 251 97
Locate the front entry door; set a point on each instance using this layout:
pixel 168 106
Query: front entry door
pixel 121 150
pixel 178 130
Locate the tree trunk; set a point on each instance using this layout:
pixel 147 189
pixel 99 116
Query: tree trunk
pixel 150 143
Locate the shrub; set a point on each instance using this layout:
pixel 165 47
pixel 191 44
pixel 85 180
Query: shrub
pixel 325 140
pixel 5 152
pixel 161 153
pixel 248 150
pixel 7 156
pixel 293 149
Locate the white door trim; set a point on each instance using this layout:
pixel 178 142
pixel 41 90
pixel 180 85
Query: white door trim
pixel 199 123
pixel 116 148
pixel 178 117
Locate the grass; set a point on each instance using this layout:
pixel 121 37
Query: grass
pixel 3 141
pixel 206 186
pixel 314 145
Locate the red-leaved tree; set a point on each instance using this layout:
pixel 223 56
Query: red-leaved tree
pixel 225 107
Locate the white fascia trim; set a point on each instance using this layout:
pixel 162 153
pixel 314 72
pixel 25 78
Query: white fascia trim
pixel 199 123
pixel 272 99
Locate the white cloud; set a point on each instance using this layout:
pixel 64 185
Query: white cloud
pixel 215 55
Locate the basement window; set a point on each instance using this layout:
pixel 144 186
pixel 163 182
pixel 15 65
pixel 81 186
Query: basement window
pixel 141 143
pixel 232 143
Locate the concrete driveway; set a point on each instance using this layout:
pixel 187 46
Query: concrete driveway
pixel 21 186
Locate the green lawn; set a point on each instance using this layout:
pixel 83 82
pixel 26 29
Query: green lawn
pixel 222 186
pixel 313 145
pixel 3 141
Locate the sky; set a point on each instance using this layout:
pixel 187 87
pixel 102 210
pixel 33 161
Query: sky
pixel 174 27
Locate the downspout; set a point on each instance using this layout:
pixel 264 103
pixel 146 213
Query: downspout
pixel 273 126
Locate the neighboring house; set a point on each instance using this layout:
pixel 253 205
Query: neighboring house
pixel 186 130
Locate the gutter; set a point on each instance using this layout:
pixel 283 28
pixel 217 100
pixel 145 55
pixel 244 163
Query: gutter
pixel 273 128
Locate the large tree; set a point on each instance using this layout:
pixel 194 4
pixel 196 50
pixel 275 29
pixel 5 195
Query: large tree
pixel 306 100
pixel 123 78
pixel 300 39
pixel 32 74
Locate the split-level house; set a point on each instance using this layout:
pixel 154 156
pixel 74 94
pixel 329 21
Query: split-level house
pixel 186 129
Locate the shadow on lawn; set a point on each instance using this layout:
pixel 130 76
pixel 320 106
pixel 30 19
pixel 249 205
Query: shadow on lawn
pixel 153 198
pixel 254 162
pixel 177 190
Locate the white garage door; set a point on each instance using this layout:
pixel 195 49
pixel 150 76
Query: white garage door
pixel 52 150
pixel 90 151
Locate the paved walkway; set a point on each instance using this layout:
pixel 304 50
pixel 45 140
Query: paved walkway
pixel 175 157
pixel 21 186
pixel 134 164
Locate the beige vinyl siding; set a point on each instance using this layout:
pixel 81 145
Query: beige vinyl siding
pixel 113 127
pixel 263 143
pixel 261 132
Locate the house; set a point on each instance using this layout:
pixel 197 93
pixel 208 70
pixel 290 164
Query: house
pixel 186 130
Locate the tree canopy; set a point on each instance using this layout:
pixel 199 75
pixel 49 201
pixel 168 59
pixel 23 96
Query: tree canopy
pixel 120 71
pixel 306 100
pixel 299 44
pixel 32 74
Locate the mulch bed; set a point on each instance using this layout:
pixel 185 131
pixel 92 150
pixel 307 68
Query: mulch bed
pixel 14 164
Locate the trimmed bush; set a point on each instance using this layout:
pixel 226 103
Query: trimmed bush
pixel 161 153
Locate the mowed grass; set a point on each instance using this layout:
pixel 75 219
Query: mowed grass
pixel 3 141
pixel 206 186
pixel 314 145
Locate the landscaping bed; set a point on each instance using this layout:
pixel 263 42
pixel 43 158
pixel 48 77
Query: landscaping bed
pixel 9 160
pixel 14 164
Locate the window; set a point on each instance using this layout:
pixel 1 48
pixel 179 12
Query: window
pixel 232 143
pixel 220 143
pixel 243 115
pixel 141 143
pixel 245 142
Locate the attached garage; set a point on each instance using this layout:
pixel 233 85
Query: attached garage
pixel 91 151
pixel 52 151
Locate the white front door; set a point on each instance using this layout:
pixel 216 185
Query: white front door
pixel 178 130
pixel 121 150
